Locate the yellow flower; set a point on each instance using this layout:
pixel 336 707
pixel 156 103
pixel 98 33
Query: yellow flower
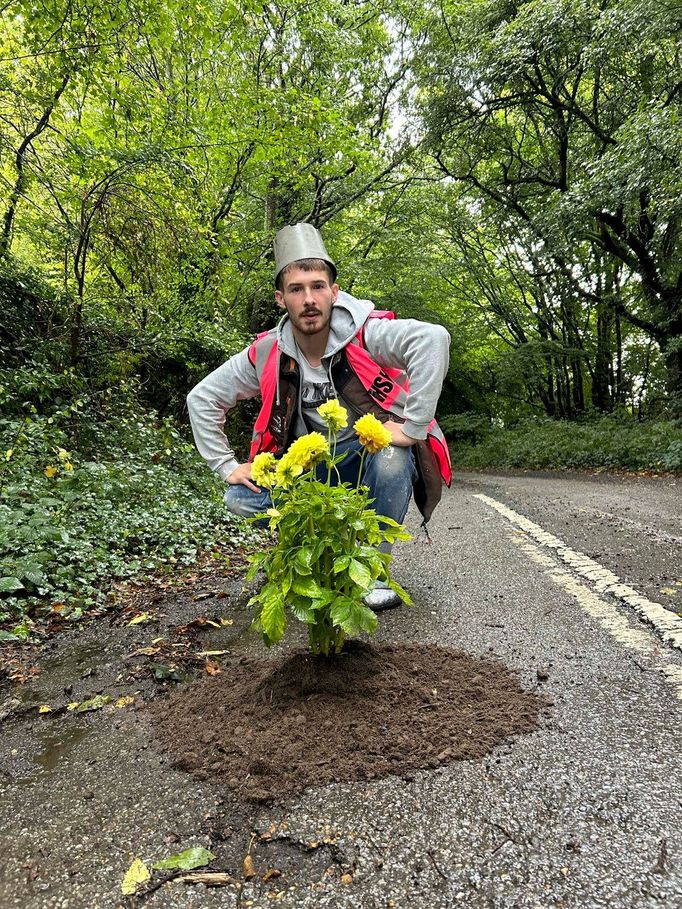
pixel 334 416
pixel 63 454
pixel 372 434
pixel 308 449
pixel 50 471
pixel 263 469
pixel 68 465
pixel 287 471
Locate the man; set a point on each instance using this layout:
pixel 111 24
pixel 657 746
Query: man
pixel 332 345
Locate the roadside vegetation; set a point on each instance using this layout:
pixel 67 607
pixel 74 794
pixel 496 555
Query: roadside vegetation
pixel 604 442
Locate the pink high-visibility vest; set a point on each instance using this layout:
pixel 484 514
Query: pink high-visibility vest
pixel 387 387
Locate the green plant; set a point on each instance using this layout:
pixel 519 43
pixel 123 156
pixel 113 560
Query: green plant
pixel 325 558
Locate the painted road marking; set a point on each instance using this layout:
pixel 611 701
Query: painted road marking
pixel 602 611
pixel 666 623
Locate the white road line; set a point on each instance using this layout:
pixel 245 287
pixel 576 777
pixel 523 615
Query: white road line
pixel 666 623
pixel 604 612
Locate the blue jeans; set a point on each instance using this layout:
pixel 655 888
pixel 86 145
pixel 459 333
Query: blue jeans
pixel 388 475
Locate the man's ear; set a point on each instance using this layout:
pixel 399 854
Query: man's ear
pixel 335 292
pixel 279 297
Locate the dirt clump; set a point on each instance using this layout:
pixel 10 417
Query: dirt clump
pixel 269 729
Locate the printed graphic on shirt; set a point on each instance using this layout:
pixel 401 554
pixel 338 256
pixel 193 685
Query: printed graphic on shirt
pixel 313 394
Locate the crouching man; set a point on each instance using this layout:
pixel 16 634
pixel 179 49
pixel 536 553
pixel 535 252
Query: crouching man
pixel 330 345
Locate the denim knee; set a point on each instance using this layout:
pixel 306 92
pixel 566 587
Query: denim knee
pixel 245 502
pixel 393 464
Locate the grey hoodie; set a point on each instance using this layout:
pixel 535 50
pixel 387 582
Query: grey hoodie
pixel 419 348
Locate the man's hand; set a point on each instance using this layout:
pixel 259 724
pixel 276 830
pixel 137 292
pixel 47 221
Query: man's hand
pixel 241 476
pixel 398 437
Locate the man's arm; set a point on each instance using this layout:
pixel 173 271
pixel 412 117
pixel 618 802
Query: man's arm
pixel 209 402
pixel 422 350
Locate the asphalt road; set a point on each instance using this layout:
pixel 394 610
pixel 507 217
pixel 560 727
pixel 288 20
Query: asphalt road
pixel 574 582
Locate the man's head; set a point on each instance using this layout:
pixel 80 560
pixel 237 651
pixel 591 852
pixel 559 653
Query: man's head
pixel 301 244
pixel 307 291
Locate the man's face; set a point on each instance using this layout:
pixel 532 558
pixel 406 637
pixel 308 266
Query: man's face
pixel 308 298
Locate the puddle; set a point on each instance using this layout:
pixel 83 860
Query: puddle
pixel 246 640
pixel 60 671
pixel 56 744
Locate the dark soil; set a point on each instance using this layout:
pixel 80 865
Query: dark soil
pixel 270 729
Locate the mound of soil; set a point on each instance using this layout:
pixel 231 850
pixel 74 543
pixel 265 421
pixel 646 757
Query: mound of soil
pixel 270 729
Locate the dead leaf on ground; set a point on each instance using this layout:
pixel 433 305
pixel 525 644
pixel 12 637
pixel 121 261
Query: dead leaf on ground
pixel 135 876
pixel 248 868
pixel 125 701
pixel 212 668
pixel 271 873
pixel 141 618
pixel 346 878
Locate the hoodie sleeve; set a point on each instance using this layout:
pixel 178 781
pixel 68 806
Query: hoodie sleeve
pixel 209 402
pixel 421 349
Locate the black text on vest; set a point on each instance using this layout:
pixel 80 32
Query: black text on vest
pixel 381 387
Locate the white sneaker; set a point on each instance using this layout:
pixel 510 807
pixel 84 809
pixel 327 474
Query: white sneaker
pixel 381 597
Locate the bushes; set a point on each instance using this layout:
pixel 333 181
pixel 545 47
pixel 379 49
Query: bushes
pixel 606 442
pixel 98 489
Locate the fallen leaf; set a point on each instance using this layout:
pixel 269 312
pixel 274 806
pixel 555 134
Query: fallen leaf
pixel 195 857
pixel 167 673
pixel 136 875
pixel 271 873
pixel 45 708
pixel 248 868
pixel 346 878
pixel 125 701
pixel 95 703
pixel 139 619
pixel 668 591
pixel 227 621
pixel 212 668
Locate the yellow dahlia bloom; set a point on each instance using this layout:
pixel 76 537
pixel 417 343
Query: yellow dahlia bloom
pixel 334 415
pixel 287 470
pixel 263 469
pixel 308 449
pixel 373 435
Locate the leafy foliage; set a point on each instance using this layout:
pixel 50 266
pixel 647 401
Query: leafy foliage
pixel 98 490
pixel 615 441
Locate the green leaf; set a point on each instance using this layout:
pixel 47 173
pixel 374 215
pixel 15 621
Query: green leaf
pixel 308 587
pixel 167 673
pixel 7 636
pixel 273 619
pixel 95 703
pixel 359 574
pixel 402 593
pixel 302 560
pixel 196 857
pixel 341 564
pixel 9 585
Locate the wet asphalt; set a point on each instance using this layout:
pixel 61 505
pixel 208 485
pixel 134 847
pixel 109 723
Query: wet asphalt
pixel 584 812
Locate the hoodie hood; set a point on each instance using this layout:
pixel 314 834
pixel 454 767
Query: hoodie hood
pixel 349 314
